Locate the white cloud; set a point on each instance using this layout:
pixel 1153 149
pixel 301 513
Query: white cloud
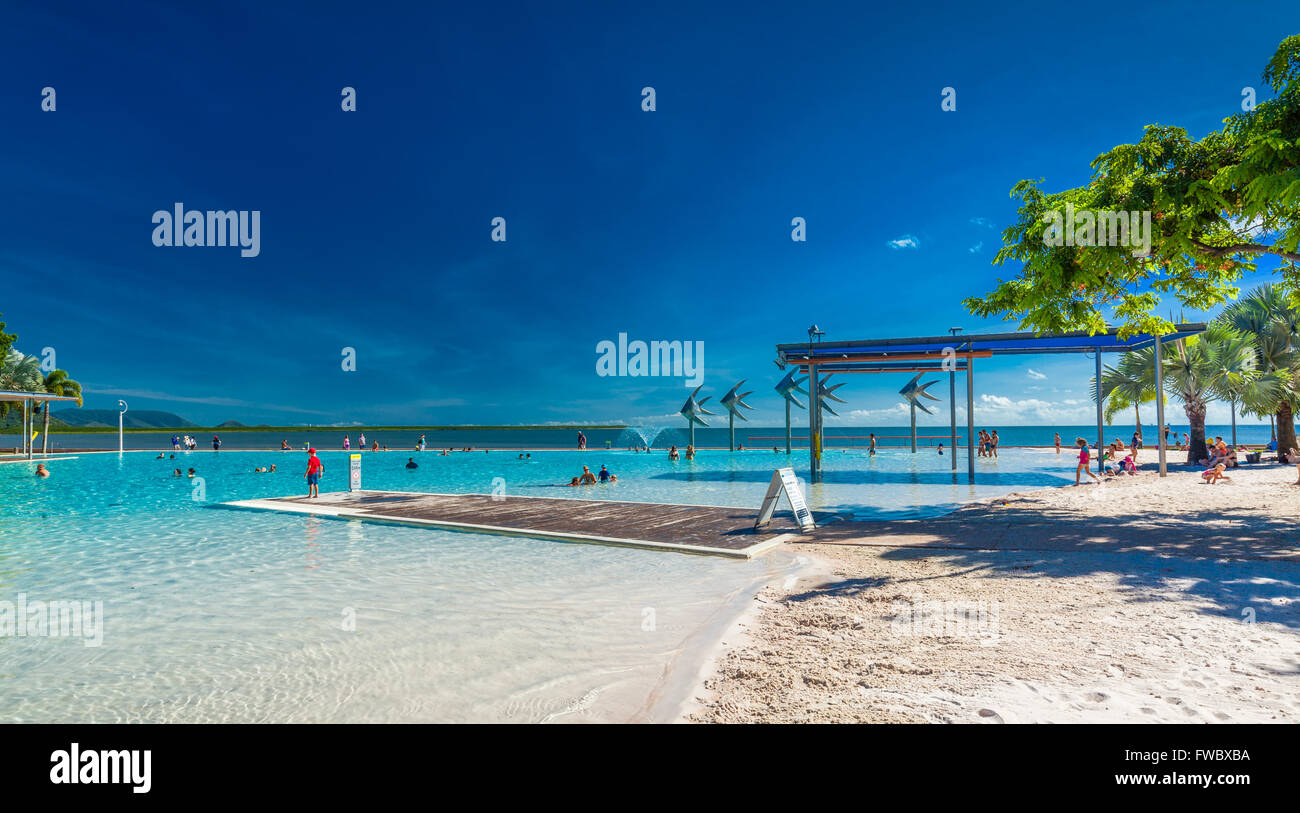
pixel 982 221
pixel 906 241
pixel 1034 374
pixel 977 248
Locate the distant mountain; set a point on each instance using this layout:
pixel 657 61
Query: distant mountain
pixel 230 425
pixel 134 419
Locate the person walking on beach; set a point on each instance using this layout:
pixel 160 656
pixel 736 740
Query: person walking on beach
pixel 347 443
pixel 582 440
pixel 314 470
pixel 421 444
pixel 216 443
pixel 1085 457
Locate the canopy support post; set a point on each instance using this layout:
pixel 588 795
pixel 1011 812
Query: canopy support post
pixel 970 417
pixel 1160 405
pixel 1101 462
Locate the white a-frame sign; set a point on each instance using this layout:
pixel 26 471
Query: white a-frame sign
pixel 784 480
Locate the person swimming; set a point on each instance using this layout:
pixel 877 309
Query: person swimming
pixel 411 464
pixel 41 471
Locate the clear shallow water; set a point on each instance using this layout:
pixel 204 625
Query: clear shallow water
pixel 219 615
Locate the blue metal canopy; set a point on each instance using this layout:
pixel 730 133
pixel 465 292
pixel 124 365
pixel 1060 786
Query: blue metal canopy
pixel 986 344
pixel 957 353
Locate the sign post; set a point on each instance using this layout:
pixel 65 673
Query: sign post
pixel 783 480
pixel 354 472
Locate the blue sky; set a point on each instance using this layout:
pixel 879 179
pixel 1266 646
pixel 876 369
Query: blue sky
pixel 669 225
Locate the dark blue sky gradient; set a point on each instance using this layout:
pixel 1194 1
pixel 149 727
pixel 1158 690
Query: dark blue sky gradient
pixel 666 225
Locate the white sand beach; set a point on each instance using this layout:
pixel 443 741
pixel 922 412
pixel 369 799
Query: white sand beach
pixel 1142 599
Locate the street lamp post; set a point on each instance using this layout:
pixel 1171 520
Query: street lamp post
pixel 121 404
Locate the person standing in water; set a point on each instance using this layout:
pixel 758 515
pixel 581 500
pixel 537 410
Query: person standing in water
pixel 871 446
pixel 1058 442
pixel 314 470
pixel 1085 456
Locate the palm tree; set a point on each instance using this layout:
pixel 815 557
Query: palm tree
pixel 1266 315
pixel 1236 377
pixel 1194 375
pixel 1131 383
pixel 19 373
pixel 57 382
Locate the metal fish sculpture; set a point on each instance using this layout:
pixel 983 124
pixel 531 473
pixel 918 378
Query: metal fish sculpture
pixel 693 409
pixel 733 401
pixel 913 392
pixel 790 385
pixel 825 393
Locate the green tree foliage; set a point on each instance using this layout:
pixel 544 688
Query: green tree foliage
pixel 1216 205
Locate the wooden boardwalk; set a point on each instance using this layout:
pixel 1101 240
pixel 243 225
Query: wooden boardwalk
pixel 682 528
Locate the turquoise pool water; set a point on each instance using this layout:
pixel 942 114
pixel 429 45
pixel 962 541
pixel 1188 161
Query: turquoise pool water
pixel 208 614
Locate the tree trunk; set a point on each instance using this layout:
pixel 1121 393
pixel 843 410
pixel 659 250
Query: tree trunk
pixel 45 436
pixel 1285 429
pixel 1196 450
pixel 1137 419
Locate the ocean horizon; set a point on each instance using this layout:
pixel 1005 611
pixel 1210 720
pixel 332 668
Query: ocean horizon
pixel 712 437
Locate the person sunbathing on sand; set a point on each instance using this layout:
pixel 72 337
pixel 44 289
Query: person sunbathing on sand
pixel 1214 475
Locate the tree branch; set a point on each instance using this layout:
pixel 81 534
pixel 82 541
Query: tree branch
pixel 1247 248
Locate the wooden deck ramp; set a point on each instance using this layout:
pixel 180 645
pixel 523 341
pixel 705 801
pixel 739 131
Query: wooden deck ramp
pixel 699 529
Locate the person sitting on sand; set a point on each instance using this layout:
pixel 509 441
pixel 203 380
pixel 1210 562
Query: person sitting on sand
pixel 1085 455
pixel 1212 476
pixel 41 471
pixel 284 445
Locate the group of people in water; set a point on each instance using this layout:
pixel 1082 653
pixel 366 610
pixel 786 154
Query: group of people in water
pixel 189 444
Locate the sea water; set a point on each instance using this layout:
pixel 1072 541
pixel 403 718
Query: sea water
pixel 211 614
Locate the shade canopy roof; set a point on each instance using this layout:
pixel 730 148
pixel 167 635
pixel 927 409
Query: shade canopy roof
pixel 863 354
pixel 19 395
